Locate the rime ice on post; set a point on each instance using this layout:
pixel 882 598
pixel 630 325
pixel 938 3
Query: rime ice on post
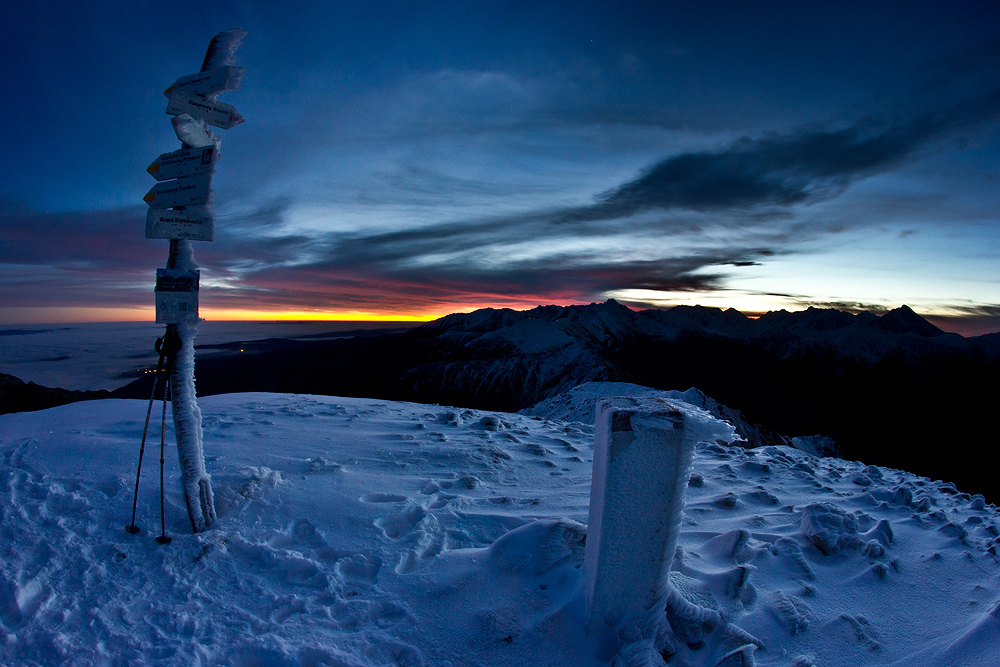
pixel 642 457
pixel 181 210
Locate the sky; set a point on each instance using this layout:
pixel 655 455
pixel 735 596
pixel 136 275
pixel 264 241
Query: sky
pixel 404 160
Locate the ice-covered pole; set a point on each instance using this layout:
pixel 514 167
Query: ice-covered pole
pixel 642 457
pixel 181 209
pixel 184 405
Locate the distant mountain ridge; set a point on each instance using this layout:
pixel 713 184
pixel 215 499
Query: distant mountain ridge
pixel 864 336
pixel 512 359
pixel 19 396
pixel 891 389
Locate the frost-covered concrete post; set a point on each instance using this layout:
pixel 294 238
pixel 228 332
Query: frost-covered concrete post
pixel 181 209
pixel 642 458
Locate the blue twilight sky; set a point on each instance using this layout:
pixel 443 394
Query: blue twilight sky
pixel 414 159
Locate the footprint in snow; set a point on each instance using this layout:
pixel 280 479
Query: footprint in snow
pixel 399 524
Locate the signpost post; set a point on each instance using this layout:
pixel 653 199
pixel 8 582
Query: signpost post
pixel 181 210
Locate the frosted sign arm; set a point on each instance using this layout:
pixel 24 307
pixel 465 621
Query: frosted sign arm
pixel 217 114
pixel 218 80
pixel 185 162
pixel 187 191
pixel 194 223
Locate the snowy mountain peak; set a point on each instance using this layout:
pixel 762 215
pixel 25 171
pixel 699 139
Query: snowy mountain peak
pixel 903 320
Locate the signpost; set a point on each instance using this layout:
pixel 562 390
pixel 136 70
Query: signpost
pixel 176 295
pixel 210 81
pixel 196 223
pixel 180 192
pixel 185 162
pixel 217 114
pixel 181 211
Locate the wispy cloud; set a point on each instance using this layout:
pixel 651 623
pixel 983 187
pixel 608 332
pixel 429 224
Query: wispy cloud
pixel 814 163
pixel 98 239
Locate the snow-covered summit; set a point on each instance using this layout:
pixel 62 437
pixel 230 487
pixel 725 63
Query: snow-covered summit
pixel 357 532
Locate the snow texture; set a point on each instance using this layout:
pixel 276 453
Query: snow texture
pixel 368 533
pixel 578 404
pixel 830 528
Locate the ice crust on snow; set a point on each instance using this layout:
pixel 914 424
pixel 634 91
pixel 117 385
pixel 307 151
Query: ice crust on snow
pixel 483 563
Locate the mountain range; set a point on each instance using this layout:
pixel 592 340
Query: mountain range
pixel 885 387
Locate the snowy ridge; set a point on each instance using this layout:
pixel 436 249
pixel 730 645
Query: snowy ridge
pixel 578 405
pixel 864 337
pixel 357 532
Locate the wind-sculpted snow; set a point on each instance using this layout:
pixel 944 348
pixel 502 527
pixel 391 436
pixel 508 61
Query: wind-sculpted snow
pixel 578 403
pixel 358 532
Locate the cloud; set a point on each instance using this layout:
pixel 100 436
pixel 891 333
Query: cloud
pixel 970 320
pixel 96 258
pixel 103 240
pixel 448 266
pixel 815 163
pixel 267 216
pixel 800 168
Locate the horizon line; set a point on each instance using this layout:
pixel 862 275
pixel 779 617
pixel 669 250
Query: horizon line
pixel 969 325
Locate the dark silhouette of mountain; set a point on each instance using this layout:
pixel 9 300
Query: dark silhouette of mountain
pixel 989 344
pixel 19 396
pixel 892 390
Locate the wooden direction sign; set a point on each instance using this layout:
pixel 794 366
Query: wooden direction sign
pixel 216 80
pixel 196 223
pixel 181 192
pixel 218 114
pixel 176 296
pixel 185 162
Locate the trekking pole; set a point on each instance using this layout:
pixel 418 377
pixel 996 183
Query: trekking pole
pixel 131 528
pixel 163 539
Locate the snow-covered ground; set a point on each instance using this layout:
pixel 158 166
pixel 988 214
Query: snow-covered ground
pixel 364 532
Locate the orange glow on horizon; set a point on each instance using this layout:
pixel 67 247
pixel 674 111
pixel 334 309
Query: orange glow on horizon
pixel 78 315
pixel 236 315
